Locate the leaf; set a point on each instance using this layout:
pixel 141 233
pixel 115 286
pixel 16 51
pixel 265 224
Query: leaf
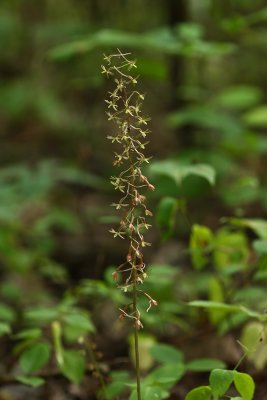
pixel 227 307
pixel 150 392
pixel 204 364
pixel 7 313
pixel 73 366
pixel 35 357
pixel 79 321
pixel 145 343
pixel 161 40
pixel 165 216
pixel 166 375
pixel 118 383
pixel 239 97
pixel 33 381
pixel 220 381
pixel 34 333
pixel 206 117
pixel 199 393
pixel 200 241
pixel 231 248
pixel 259 226
pixel 257 117
pixel 244 385
pixel 177 171
pixel 166 354
pixel 253 338
pixel 4 329
pixel 41 315
pixel 260 246
pixel 214 305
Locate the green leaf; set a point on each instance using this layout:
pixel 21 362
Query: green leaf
pixel 236 398
pixel 199 393
pixel 251 334
pixel 41 315
pixel 239 97
pixel 145 343
pixel 259 226
pixel 73 365
pixel 150 392
pixel 177 171
pixel 4 329
pixel 79 321
pixel 166 354
pixel 220 381
pixel 227 307
pixel 244 385
pixel 214 305
pixel 33 381
pixel 118 383
pixel 34 333
pixel 161 40
pixel 166 375
pixel 7 313
pixel 200 242
pixel 204 364
pixel 260 246
pixel 34 357
pixel 257 117
pixel 231 248
pixel 165 216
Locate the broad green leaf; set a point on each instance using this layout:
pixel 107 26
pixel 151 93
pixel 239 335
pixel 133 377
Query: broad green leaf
pixel 7 313
pixel 41 315
pixel 166 354
pixel 260 246
pixel 33 381
pixel 35 357
pixel 253 338
pixel 4 329
pixel 257 117
pixel 220 381
pixel 145 343
pixel 165 217
pixel 244 385
pixel 177 171
pixel 207 118
pixel 204 364
pixel 227 307
pixel 239 97
pixel 118 383
pixel 200 242
pixel 214 305
pixel 259 226
pixel 73 366
pixel 161 40
pixel 199 393
pixel 166 375
pixel 79 321
pixel 231 248
pixel 150 392
pixel 33 333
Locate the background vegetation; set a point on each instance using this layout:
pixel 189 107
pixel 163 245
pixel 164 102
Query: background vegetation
pixel 202 65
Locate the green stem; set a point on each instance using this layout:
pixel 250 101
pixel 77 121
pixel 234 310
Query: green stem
pixel 136 342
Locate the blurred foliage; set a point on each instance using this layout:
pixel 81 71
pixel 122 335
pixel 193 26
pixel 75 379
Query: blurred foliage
pixel 204 72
